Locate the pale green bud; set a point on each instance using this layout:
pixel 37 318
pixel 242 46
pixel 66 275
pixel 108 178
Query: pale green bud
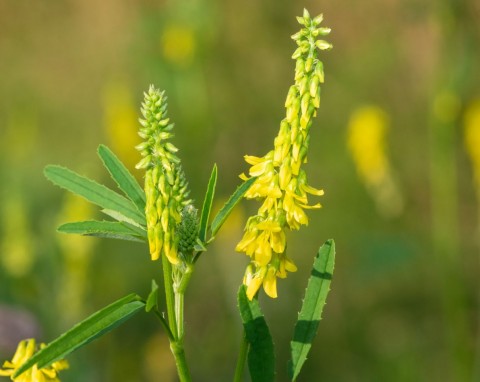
pixel 308 64
pixel 305 102
pixel 317 20
pixel 323 45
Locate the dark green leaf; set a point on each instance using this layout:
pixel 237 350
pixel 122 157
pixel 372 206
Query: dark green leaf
pixel 230 204
pixel 152 299
pixel 113 230
pixel 207 204
pixel 124 179
pixel 93 327
pixel 311 312
pixel 261 357
pixel 93 192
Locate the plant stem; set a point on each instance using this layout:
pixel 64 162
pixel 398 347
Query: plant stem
pixel 169 295
pixel 180 361
pixel 164 323
pixel 179 291
pixel 174 301
pixel 242 357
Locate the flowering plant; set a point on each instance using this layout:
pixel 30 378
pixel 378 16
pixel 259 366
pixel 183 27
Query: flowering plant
pixel 162 215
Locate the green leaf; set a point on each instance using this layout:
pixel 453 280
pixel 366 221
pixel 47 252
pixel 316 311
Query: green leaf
pixel 93 192
pixel 207 204
pixel 230 204
pixel 261 357
pixel 93 327
pixel 152 299
pixel 124 179
pixel 313 303
pixel 112 230
pixel 122 218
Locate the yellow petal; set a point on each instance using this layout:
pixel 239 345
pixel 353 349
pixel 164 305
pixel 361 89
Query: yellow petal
pixel 289 265
pixel 253 287
pixel 316 206
pixel 278 241
pixel 260 168
pixel 250 159
pixel 247 239
pixel 270 283
pixel 312 190
pixel 263 252
pixel 269 225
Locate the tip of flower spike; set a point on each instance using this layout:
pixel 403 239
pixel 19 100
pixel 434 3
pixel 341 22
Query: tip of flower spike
pixel 306 14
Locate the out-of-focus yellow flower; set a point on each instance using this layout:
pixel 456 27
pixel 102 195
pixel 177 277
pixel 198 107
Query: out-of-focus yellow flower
pixel 76 252
pixel 367 143
pixel 472 139
pixel 16 256
pixel 281 182
pixel 120 119
pixel 367 133
pixel 25 350
pixel 178 44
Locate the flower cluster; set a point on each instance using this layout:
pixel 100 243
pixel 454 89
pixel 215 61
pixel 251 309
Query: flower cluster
pixel 166 188
pixel 281 182
pixel 25 350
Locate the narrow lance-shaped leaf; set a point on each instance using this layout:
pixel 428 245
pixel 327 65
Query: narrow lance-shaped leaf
pixel 124 179
pixel 93 192
pixel 261 357
pixel 230 204
pixel 311 312
pixel 152 299
pixel 207 205
pixel 107 229
pixel 93 327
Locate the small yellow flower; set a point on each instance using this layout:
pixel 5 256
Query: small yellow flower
pixel 25 351
pixel 280 180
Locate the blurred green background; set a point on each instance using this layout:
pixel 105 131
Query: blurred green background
pixel 396 146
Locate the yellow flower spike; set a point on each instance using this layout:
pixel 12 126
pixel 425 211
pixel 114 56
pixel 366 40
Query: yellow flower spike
pixel 166 189
pixel 280 180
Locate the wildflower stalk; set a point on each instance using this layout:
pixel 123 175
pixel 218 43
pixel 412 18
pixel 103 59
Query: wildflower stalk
pixel 242 358
pixel 166 192
pixel 281 182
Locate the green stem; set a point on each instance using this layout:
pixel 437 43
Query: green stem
pixel 174 301
pixel 179 291
pixel 164 323
pixel 169 295
pixel 180 361
pixel 242 357
pixel 179 298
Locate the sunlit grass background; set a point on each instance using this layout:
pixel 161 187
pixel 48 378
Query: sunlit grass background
pixel 396 146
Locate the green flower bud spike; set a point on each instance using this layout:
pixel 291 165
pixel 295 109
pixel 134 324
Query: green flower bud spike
pixel 187 232
pixel 281 182
pixel 166 188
